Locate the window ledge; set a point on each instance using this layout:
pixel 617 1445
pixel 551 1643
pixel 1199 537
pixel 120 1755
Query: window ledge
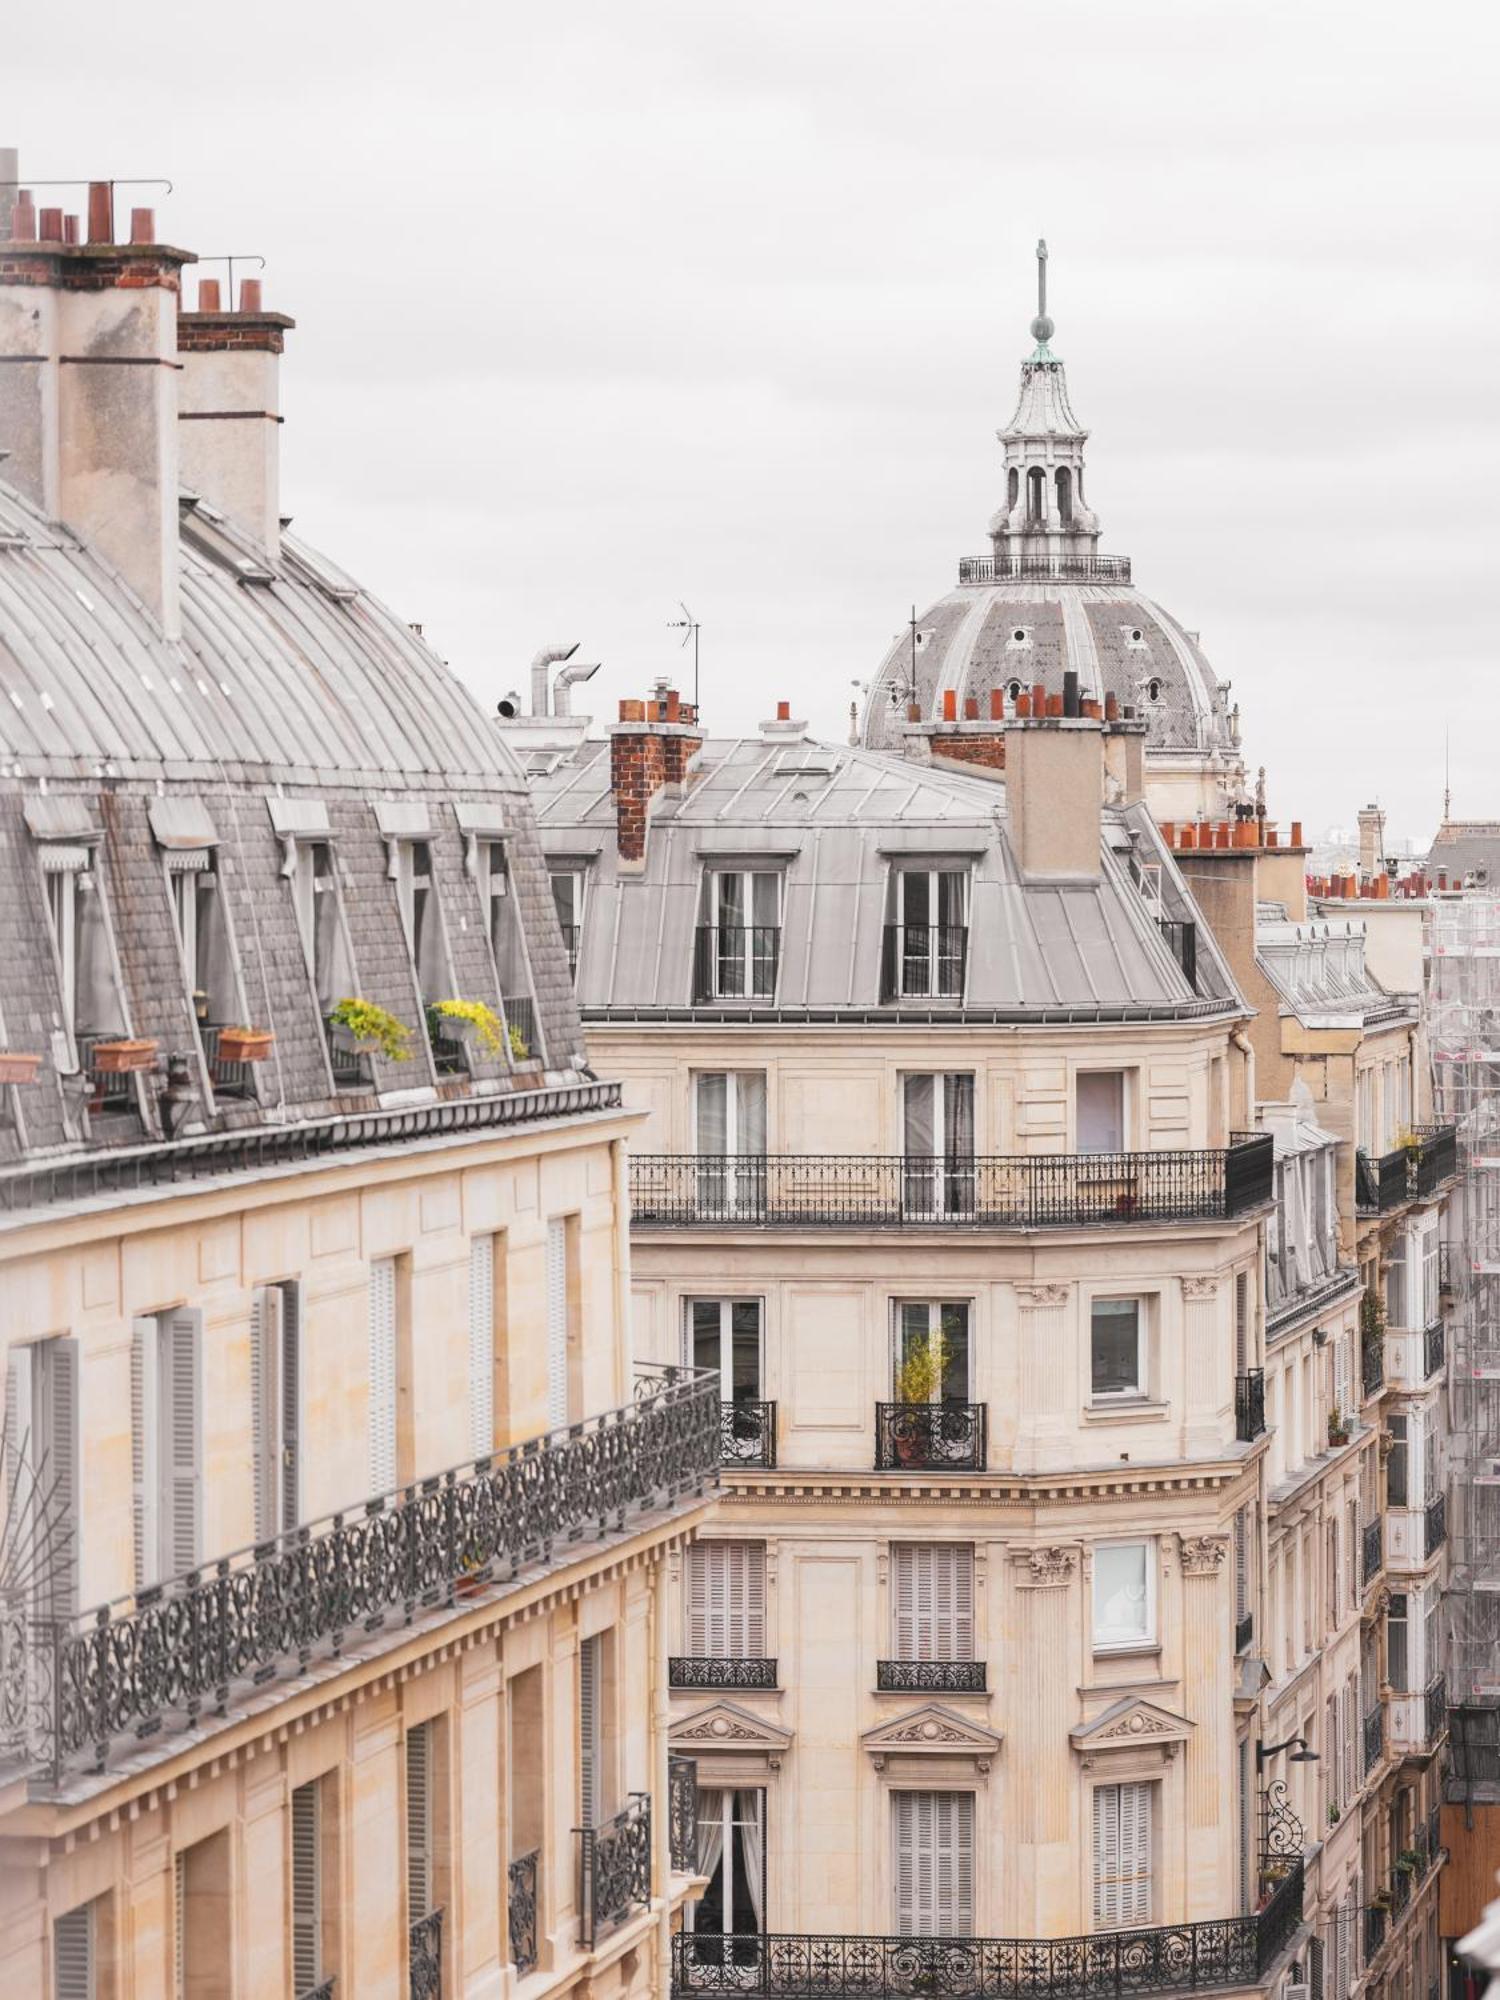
pixel 1148 1649
pixel 1129 1410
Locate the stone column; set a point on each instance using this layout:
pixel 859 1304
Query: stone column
pixel 1041 1787
pixel 1207 1676
pixel 1048 1391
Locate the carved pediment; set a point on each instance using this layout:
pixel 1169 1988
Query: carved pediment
pixel 930 1731
pixel 1132 1723
pixel 723 1727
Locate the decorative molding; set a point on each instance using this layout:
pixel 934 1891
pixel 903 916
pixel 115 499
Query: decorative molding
pixel 1043 1295
pixel 810 1486
pixel 1200 1288
pixel 1131 1723
pixel 1045 1568
pixel 724 1726
pixel 931 1731
pixel 1202 1555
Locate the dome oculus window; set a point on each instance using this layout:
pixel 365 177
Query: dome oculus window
pixel 1020 635
pixel 1153 689
pixel 1135 637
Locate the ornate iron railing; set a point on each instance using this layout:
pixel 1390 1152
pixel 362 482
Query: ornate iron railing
pixel 614 1869
pixel 691 1670
pixel 1022 1191
pixel 426 1957
pixel 520 1023
pixel 1434 1349
pixel 747 1433
pixel 1043 569
pixel 1372 1365
pixel 1374 1737
pixel 1435 1708
pixel 323 1991
pixel 1166 1958
pixel 736 961
pixel 1436 1158
pixel 1250 1405
pixel 930 1676
pixel 923 961
pixel 229 1079
pixel 682 1815
pixel 109 1090
pixel 1435 1527
pixel 521 1908
pixel 1379 1181
pixel 1373 1553
pixel 930 1437
pixel 199 1642
pixel 1374 1930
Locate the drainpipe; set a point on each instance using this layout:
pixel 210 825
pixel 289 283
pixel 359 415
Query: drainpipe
pixel 547 657
pixel 564 683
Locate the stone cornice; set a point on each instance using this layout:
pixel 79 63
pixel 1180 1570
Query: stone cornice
pixel 1022 1490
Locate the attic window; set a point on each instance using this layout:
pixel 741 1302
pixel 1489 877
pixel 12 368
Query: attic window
pixel 1153 690
pixel 1013 689
pixel 1020 636
pixel 1134 637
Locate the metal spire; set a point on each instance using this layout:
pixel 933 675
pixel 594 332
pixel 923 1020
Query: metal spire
pixel 1041 326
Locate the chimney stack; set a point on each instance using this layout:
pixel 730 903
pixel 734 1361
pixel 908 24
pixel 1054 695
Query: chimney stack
pixel 650 748
pixel 1054 788
pixel 1371 841
pixel 230 407
pixel 88 404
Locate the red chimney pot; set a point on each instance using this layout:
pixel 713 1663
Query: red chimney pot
pixel 101 212
pixel 23 218
pixel 783 711
pixel 209 295
pixel 50 225
pixel 70 229
pixel 250 295
pixel 950 705
pixel 143 225
pixel 971 708
pixel 997 704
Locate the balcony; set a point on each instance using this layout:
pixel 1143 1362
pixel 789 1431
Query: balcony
pixel 1372 1365
pixel 1226 1953
pixel 614 1869
pixel 1379 1181
pixel 425 1956
pixel 204 1644
pixel 747 1434
pixel 930 1437
pixel 521 1908
pixel 693 1670
pixel 923 961
pixel 229 1079
pixel 1043 569
pixel 682 1815
pixel 1250 1405
pixel 520 1027
pixel 1435 1709
pixel 1435 1526
pixel 1372 1552
pixel 1434 1350
pixel 930 1676
pixel 1414 1172
pixel 1374 1737
pixel 889 1191
pixel 1436 1159
pixel 1375 1916
pixel 736 961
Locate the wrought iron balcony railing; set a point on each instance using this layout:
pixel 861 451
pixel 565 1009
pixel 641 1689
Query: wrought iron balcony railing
pixel 736 961
pixel 1434 1349
pixel 1374 1737
pixel 1435 1709
pixel 426 1957
pixel 1164 1958
pixel 325 1990
pixel 202 1642
pixel 747 1433
pixel 521 1908
pixel 923 961
pixel 1373 1550
pixel 1375 1917
pixel 694 1670
pixel 1436 1159
pixel 520 1025
pixel 682 1815
pixel 883 1191
pixel 1043 569
pixel 930 1437
pixel 572 936
pixel 930 1676
pixel 229 1079
pixel 614 1869
pixel 1372 1365
pixel 1435 1527
pixel 1408 1173
pixel 1250 1405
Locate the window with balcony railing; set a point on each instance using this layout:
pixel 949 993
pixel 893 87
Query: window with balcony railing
pixel 926 937
pixel 738 946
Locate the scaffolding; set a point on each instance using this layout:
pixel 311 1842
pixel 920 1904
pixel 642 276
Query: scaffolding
pixel 1462 945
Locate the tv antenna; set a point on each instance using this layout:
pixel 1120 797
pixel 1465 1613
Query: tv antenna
pixel 688 626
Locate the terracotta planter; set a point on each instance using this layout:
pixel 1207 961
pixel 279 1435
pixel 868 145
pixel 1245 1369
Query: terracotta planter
pixel 121 1058
pixel 15 1067
pixel 245 1045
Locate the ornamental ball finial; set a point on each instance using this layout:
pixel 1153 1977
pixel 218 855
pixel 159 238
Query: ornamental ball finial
pixel 1042 329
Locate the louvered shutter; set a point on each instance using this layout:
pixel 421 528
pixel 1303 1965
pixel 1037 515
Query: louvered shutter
pixel 696 1586
pixel 953 1602
pixel 291 1404
pixel 307 1911
pixel 261 1435
pixel 20 1468
pixel 954 1864
pixel 588 1731
pixel 557 1323
pixel 482 1345
pixel 742 1619
pixel 73 1955
pixel 905 1635
pixel 184 1409
pixel 382 1374
pixel 60 1481
pixel 145 1448
pixel 934 1863
pixel 418 1822
pixel 1122 1856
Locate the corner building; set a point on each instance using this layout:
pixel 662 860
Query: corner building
pixel 333 1581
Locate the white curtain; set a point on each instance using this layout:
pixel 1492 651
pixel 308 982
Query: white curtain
pixel 97 1008
pixel 710 1831
pixel 752 1111
pixel 753 1846
pixel 711 1114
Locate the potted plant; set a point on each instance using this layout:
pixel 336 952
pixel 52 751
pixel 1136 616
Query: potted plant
pixel 366 1029
pixel 1338 1426
pixel 1381 1900
pixel 919 1381
pixel 122 1056
pixel 245 1045
pixel 1409 1861
pixel 1333 1815
pixel 16 1066
pixel 470 1021
pixel 519 1049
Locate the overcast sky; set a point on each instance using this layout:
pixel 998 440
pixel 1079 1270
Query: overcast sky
pixel 614 303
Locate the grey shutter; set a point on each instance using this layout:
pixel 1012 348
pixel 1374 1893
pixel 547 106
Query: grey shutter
pixel 934 1863
pixel 697 1567
pixel 179 1925
pixel 145 1448
pixel 73 1955
pixel 60 1481
pixel 557 1323
pixel 20 1469
pixel 307 1890
pixel 482 1346
pixel 382 1375
pixel 419 1821
pixel 291 1404
pixel 1122 1856
pixel 184 1410
pixel 261 1436
pixel 588 1731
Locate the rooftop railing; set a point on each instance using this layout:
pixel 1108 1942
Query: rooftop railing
pixel 88 1688
pixel 1044 569
pixel 1027 1191
pixel 923 961
pixel 747 1433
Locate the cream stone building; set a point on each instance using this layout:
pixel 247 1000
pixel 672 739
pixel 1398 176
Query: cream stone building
pixel 334 1602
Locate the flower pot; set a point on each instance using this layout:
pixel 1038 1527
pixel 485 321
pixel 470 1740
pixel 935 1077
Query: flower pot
pixel 122 1057
pixel 349 1044
pixel 17 1067
pixel 245 1045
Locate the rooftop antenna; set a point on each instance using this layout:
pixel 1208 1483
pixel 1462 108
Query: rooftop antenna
pixel 687 625
pixel 1447 787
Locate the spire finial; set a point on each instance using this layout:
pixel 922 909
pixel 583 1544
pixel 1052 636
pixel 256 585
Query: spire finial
pixel 1041 326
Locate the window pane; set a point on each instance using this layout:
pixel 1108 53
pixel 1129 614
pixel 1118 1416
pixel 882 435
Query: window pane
pixel 744 1324
pixel 1117 1348
pixel 712 1113
pixel 703 1333
pixel 955 1327
pixel 1120 1606
pixel 1101 1111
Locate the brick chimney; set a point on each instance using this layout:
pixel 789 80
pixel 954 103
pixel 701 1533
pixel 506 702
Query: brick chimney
pixel 88 398
pixel 1371 842
pixel 649 751
pixel 229 408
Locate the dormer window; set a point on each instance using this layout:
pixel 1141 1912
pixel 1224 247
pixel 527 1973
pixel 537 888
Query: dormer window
pixel 926 932
pixel 569 886
pixel 739 935
pixel 421 917
pixel 188 844
pixel 320 923
pixel 88 988
pixel 508 943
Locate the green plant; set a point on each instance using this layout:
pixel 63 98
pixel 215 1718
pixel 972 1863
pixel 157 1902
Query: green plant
pixel 920 1375
pixel 372 1025
pixel 1333 1815
pixel 1372 1316
pixel 1338 1426
pixel 519 1050
pixel 1409 1860
pixel 483 1019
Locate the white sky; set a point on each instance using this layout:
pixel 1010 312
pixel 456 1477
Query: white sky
pixel 607 304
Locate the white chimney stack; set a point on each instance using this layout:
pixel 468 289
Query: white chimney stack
pixel 229 408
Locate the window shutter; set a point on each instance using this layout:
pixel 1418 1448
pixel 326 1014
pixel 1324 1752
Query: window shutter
pixel 696 1576
pixel 382 1375
pixel 261 1435
pixel 904 1600
pixel 145 1408
pixel 482 1346
pixel 934 1863
pixel 291 1404
pixel 953 1602
pixel 557 1323
pixel 588 1731
pixel 19 1470
pixel 184 1474
pixel 307 1888
pixel 742 1614
pixel 59 1474
pixel 904 1823
pixel 954 1915
pixel 1122 1856
pixel 418 1822
pixel 73 1955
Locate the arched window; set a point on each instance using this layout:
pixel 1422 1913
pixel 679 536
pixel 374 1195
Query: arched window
pixel 1036 504
pixel 1012 490
pixel 1065 496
